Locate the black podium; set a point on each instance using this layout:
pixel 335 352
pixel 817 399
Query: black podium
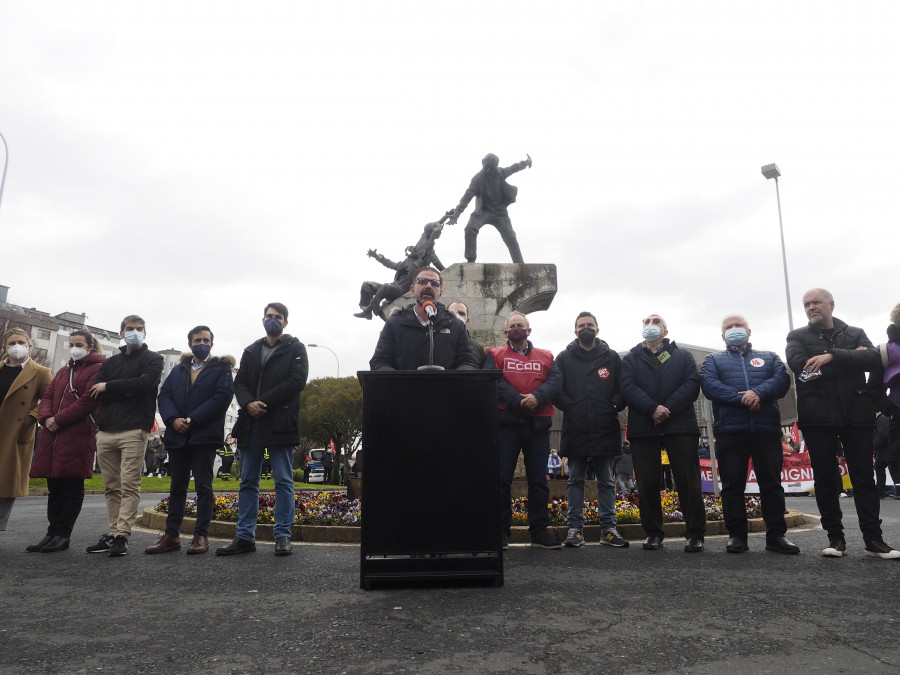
pixel 431 483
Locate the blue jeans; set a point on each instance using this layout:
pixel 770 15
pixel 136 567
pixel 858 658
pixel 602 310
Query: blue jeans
pixel 248 498
pixel 606 491
pixel 535 448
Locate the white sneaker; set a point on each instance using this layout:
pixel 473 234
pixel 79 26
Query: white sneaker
pixel 879 549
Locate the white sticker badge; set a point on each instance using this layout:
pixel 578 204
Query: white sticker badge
pixel 757 363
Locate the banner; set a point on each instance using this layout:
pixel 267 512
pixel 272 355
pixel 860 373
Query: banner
pixel 796 476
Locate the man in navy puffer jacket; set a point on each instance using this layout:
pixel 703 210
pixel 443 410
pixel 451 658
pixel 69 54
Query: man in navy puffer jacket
pixel 744 386
pixel 192 403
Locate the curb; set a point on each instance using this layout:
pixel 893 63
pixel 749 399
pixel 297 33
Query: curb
pixel 152 519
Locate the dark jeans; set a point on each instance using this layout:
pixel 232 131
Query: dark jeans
pixel 733 452
pixel 685 464
pixel 535 448
pixel 823 444
pixel 182 462
pixel 64 500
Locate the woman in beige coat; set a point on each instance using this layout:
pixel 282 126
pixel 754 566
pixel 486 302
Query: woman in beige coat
pixel 22 383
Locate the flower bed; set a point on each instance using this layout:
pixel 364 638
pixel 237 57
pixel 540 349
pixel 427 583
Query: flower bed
pixel 627 511
pixel 312 508
pixel 334 508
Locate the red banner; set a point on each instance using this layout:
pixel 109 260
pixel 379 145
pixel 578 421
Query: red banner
pixel 796 476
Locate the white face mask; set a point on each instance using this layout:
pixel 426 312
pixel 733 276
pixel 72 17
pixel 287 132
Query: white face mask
pixel 78 353
pixel 134 338
pixel 18 352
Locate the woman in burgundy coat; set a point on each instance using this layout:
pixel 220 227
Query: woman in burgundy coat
pixel 65 451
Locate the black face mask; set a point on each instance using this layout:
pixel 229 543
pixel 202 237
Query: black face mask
pixel 586 336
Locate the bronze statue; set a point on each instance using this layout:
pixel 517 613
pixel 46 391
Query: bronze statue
pixel 492 195
pixel 373 296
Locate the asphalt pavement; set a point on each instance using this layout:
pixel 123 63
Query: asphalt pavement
pixel 587 610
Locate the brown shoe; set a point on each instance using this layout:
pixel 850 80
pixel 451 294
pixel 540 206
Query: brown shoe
pixel 164 545
pixel 199 544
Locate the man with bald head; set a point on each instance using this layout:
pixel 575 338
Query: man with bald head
pixel 531 382
pixel 744 385
pixel 836 410
pixel 460 310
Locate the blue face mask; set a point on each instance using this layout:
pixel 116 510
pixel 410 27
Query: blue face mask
pixel 201 351
pixel 273 326
pixel 651 332
pixel 134 338
pixel 736 336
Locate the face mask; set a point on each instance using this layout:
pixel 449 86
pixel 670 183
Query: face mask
pixel 17 352
pixel 586 336
pixel 517 334
pixel 651 332
pixel 273 326
pixel 201 351
pixel 736 336
pixel 78 353
pixel 134 338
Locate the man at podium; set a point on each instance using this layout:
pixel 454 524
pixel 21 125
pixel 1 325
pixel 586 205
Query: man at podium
pixel 404 343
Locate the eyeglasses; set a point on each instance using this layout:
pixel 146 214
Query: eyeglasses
pixel 424 282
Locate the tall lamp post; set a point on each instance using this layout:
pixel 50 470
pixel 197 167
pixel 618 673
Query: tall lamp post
pixel 332 352
pixel 771 171
pixel 5 164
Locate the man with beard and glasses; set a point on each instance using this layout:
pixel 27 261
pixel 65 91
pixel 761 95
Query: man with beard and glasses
pixel 404 343
pixel 836 409
pixel 591 400
pixel 526 393
pixel 492 195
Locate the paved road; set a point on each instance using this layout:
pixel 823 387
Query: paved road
pixel 572 611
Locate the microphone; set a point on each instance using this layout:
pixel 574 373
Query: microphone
pixel 430 309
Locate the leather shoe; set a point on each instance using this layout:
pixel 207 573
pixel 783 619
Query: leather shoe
pixel 653 542
pixel 693 545
pixel 165 544
pixel 781 545
pixel 56 544
pixel 199 544
pixel 283 546
pixel 238 545
pixel 34 548
pixel 736 545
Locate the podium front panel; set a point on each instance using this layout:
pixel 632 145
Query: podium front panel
pixel 431 481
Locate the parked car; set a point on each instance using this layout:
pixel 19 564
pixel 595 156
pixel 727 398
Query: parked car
pixel 314 472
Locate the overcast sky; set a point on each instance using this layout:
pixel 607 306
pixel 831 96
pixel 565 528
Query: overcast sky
pixel 190 162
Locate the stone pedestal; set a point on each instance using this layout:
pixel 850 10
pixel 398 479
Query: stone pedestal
pixel 492 292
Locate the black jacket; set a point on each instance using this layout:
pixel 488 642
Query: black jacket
pixel 205 401
pixel 590 400
pixel 278 385
pixel 839 396
pixel 403 343
pixel 648 381
pixel 132 381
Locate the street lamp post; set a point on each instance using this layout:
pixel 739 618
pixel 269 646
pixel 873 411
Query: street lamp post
pixel 771 171
pixel 5 164
pixel 332 352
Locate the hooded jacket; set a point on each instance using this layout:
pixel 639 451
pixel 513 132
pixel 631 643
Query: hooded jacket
pixel 205 401
pixel 68 452
pixel 590 400
pixel 839 396
pixel 132 382
pixel 403 343
pixel 277 384
pixel 728 372
pixel 667 378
